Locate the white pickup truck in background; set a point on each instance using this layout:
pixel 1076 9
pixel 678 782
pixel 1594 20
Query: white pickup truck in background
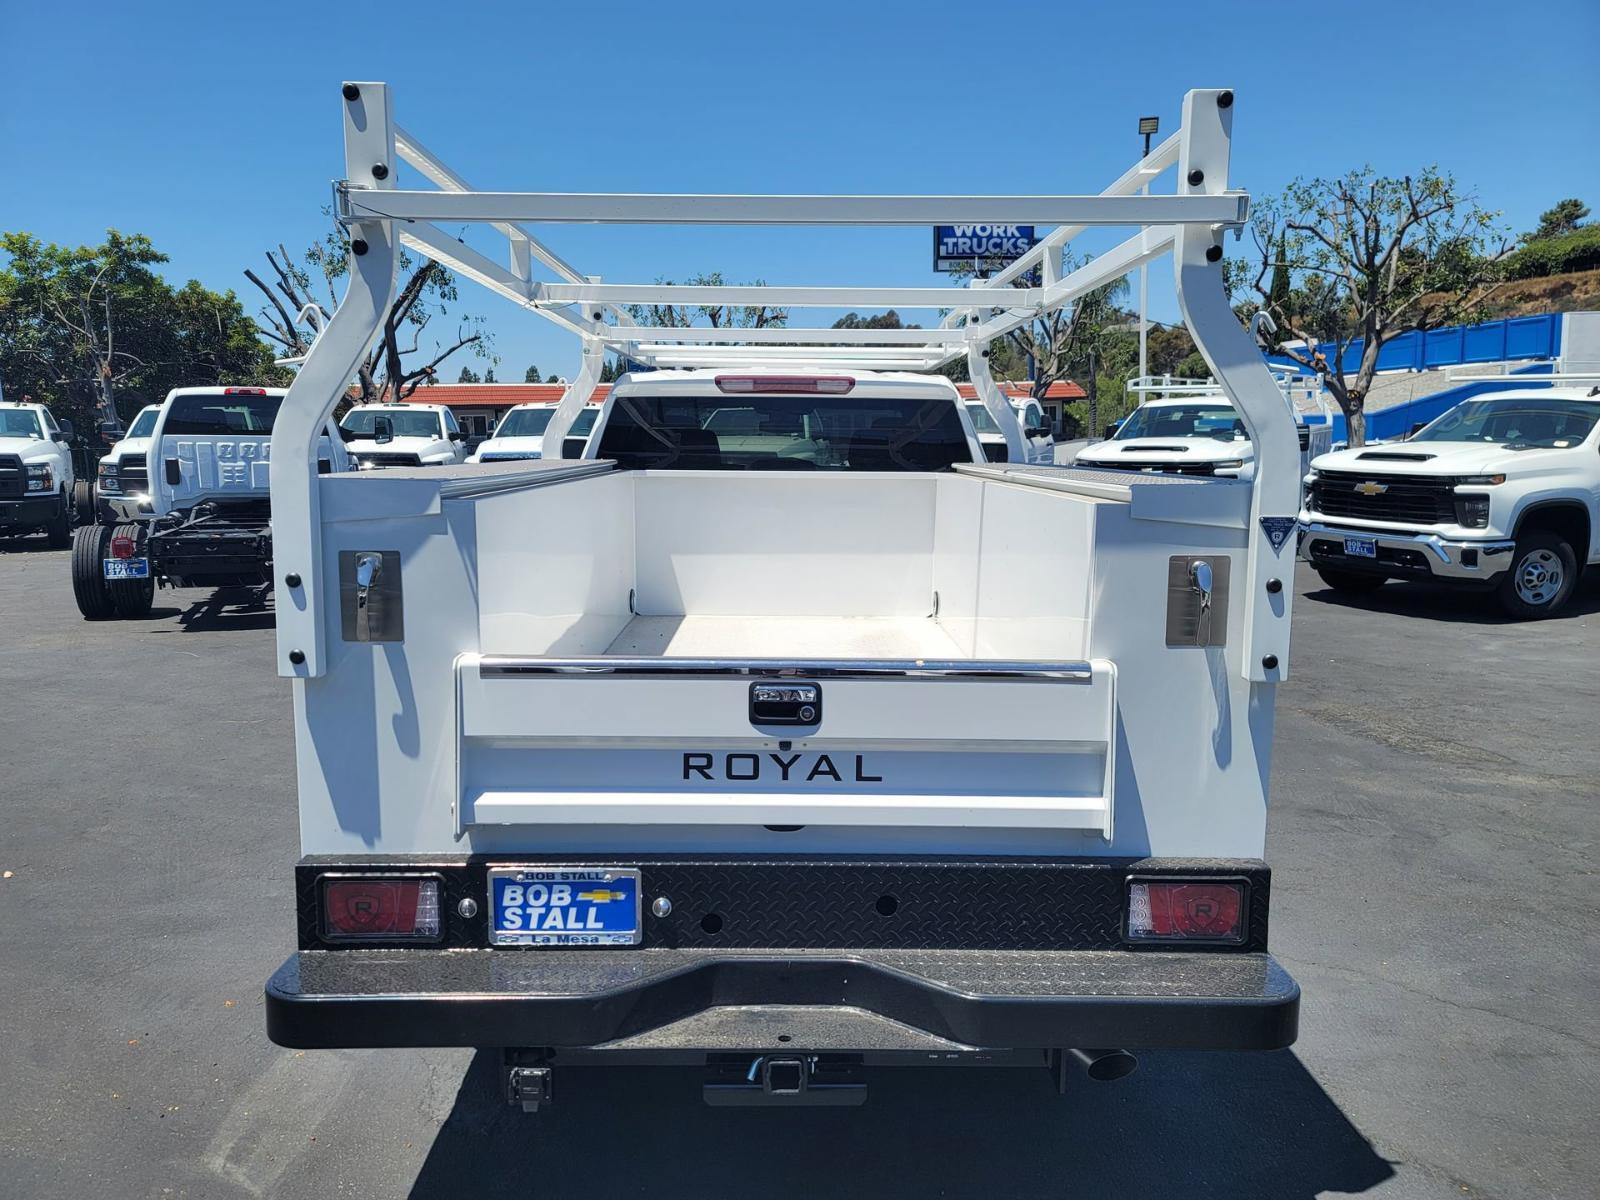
pixel 781 732
pixel 122 478
pixel 520 434
pixel 1189 427
pixel 36 475
pixel 402 435
pixel 1501 492
pixel 1040 445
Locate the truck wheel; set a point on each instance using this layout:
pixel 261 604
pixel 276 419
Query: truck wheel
pixel 1543 573
pixel 1355 583
pixel 89 545
pixel 59 528
pixel 131 597
pixel 83 501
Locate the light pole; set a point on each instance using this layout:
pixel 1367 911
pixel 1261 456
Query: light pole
pixel 1148 127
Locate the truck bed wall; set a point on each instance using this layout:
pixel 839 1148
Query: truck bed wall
pixel 1018 571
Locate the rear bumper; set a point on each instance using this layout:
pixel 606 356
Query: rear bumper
pixel 679 999
pixel 1407 555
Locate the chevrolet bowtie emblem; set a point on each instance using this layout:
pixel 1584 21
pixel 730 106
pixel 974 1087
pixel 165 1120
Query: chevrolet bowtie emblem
pixel 1372 487
pixel 602 895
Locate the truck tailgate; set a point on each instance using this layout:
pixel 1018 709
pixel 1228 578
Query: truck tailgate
pixel 619 740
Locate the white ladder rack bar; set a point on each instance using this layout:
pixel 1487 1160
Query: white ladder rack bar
pixel 655 335
pixel 432 166
pixel 782 297
pixel 628 208
pixel 1142 172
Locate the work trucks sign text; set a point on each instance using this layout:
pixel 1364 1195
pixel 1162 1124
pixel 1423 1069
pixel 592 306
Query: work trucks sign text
pixel 979 247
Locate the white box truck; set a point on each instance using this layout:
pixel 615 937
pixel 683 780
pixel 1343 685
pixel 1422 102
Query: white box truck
pixel 780 732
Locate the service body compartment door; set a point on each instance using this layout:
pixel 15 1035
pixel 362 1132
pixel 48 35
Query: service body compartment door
pixel 612 741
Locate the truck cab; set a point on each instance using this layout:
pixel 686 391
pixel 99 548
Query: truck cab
pixel 36 474
pixel 1040 446
pixel 1501 493
pixel 403 435
pixel 122 480
pixel 520 434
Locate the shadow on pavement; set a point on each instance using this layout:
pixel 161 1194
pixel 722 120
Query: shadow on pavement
pixel 1187 1124
pixel 222 612
pixel 1436 602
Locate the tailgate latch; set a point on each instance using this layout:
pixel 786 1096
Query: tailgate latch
pixel 785 704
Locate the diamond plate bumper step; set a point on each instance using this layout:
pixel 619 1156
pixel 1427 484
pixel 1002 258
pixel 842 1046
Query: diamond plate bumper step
pixel 682 999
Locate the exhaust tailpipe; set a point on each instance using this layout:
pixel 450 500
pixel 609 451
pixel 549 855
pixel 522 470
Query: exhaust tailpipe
pixel 1105 1065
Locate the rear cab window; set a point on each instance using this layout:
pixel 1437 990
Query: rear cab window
pixel 783 432
pixel 221 415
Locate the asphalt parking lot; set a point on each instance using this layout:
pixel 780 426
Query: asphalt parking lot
pixel 1433 838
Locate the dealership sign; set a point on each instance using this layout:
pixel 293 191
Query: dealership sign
pixel 979 247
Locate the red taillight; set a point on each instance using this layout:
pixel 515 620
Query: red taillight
pixel 122 546
pixel 235 391
pixel 356 909
pixel 827 385
pixel 1185 910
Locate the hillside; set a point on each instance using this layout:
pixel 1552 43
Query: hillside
pixel 1577 292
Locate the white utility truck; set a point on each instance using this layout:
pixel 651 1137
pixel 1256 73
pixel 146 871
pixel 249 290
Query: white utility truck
pixel 1501 492
pixel 1189 427
pixel 403 435
pixel 36 475
pixel 1036 437
pixel 122 479
pixel 205 517
pixel 780 732
pixel 520 434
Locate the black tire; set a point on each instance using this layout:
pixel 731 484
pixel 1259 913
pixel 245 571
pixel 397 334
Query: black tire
pixel 89 545
pixel 1354 583
pixel 131 597
pixel 59 528
pixel 1542 577
pixel 83 501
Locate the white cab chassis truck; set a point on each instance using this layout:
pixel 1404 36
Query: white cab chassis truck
pixel 1501 493
pixel 204 516
pixel 1039 443
pixel 36 475
pixel 781 733
pixel 122 478
pixel 520 434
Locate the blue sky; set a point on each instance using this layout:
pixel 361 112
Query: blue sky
pixel 214 128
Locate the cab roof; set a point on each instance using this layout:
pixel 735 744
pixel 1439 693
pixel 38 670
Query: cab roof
pixel 704 378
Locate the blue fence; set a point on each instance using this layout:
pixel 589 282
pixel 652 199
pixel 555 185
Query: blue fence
pixel 1492 341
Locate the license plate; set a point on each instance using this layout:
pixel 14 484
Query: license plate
pixel 127 568
pixel 1361 547
pixel 564 906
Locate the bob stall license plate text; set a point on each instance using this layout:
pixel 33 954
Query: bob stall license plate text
pixel 564 906
pixel 126 568
pixel 1361 547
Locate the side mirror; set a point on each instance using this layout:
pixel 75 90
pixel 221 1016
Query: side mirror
pixel 67 430
pixel 346 435
pixel 382 429
pixel 1111 430
pixel 60 435
pixel 455 435
pixel 1416 429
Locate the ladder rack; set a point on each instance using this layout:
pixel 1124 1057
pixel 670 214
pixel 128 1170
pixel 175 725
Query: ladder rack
pixel 380 216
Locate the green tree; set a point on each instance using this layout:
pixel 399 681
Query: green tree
pixel 883 320
pixel 468 375
pixel 96 331
pixel 1370 257
pixel 531 375
pixel 488 376
pixel 1566 216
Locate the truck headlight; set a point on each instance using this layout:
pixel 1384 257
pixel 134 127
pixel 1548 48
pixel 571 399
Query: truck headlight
pixel 108 478
pixel 41 478
pixel 1481 479
pixel 1472 512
